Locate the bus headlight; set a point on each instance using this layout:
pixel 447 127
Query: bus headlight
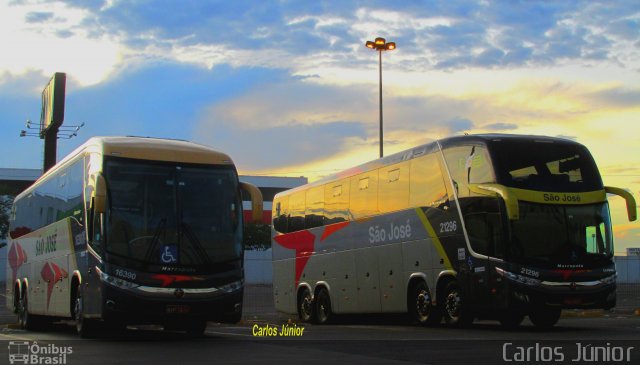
pixel 231 287
pixel 609 279
pixel 114 281
pixel 518 278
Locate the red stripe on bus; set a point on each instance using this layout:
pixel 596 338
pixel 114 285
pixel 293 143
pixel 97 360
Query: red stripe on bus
pixel 333 228
pixel 302 242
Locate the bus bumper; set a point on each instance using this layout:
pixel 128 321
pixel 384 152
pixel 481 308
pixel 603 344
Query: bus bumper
pixel 569 296
pixel 135 306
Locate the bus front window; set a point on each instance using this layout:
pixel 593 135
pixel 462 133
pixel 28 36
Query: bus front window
pixel 172 215
pixel 557 234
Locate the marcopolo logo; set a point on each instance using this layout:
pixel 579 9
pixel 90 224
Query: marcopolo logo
pixel 24 352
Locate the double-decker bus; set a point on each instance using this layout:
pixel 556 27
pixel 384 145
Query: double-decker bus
pixel 128 230
pixel 482 226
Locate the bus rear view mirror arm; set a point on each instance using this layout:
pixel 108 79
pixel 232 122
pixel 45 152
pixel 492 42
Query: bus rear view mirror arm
pixel 631 202
pixel 256 201
pixel 510 199
pixel 100 194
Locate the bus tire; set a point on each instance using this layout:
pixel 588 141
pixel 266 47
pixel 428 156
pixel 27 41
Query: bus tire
pixel 323 311
pixel 455 308
pixel 511 319
pixel 24 318
pixel 545 317
pixel 305 305
pixel 232 318
pixel 85 327
pixel 196 328
pixel 420 305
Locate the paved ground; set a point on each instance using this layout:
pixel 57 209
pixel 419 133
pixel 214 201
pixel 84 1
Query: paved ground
pixel 356 339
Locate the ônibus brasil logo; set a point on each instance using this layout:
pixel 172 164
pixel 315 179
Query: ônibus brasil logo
pixel 24 352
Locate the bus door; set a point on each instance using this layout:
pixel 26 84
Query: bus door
pixel 485 232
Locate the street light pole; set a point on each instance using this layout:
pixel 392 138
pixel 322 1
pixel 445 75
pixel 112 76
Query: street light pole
pixel 380 44
pixel 380 87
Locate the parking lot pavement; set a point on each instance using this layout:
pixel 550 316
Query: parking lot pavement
pixel 258 306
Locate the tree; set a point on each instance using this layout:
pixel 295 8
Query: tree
pixel 257 237
pixel 5 210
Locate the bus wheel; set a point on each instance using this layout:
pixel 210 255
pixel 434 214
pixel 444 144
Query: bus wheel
pixel 305 305
pixel 545 317
pixel 84 326
pixel 24 318
pixel 511 319
pixel 455 311
pixel 420 305
pixel 27 320
pixel 196 328
pixel 323 306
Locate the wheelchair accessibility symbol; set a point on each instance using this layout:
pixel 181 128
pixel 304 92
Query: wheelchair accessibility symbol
pixel 169 254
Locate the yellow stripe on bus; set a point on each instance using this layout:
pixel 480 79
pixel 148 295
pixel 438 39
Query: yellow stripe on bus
pixel 590 197
pixel 434 238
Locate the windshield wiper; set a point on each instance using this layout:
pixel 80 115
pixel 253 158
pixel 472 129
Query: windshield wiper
pixel 196 244
pixel 156 237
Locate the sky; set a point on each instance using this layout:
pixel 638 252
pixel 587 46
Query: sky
pixel 287 88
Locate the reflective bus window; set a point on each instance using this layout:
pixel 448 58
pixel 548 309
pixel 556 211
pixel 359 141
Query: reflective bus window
pixel 394 187
pixel 281 216
pixel 314 212
pixel 336 202
pixel 364 194
pixel 468 164
pixel 555 166
pixel 427 183
pixel 296 211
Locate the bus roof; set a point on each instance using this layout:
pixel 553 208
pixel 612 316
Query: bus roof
pixel 144 148
pixel 423 149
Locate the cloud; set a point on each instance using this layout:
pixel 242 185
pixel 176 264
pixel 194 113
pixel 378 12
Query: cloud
pixel 500 126
pixel 38 17
pixel 618 97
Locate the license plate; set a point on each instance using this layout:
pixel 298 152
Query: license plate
pixel 572 301
pixel 178 309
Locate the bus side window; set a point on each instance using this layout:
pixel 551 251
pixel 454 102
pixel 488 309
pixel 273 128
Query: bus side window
pixel 96 231
pixel 336 202
pixel 314 207
pixel 427 184
pixel 280 222
pixel 296 211
pixel 363 200
pixel 394 187
pixel 457 159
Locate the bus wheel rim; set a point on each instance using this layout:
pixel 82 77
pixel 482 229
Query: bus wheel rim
pixel 453 304
pixel 423 302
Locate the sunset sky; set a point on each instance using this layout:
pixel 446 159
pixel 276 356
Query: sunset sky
pixel 288 87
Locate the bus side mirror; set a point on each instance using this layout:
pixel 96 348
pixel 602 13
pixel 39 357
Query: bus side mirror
pixel 632 214
pixel 100 195
pixel 510 199
pixel 256 201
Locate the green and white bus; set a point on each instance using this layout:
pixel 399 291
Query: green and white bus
pixel 129 230
pixel 481 226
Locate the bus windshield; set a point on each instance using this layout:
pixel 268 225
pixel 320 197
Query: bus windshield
pixel 169 214
pixel 561 235
pixel 545 165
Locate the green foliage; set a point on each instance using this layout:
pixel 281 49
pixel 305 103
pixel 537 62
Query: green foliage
pixel 5 210
pixel 257 237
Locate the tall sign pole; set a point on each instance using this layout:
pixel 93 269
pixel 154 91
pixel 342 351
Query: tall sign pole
pixel 51 117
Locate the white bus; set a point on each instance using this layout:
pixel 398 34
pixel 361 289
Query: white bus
pixel 130 230
pixel 486 226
